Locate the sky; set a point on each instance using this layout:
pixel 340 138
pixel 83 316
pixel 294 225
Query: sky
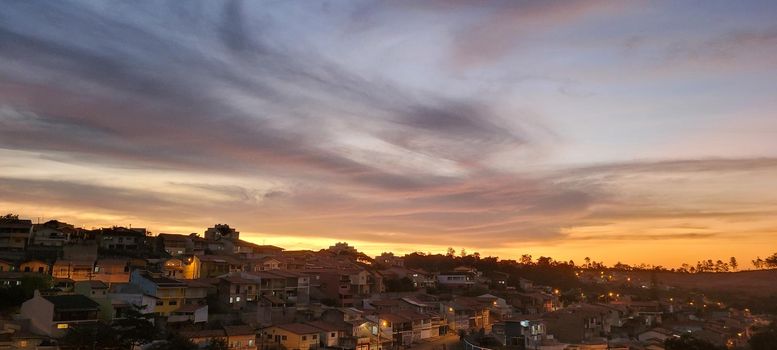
pixel 631 131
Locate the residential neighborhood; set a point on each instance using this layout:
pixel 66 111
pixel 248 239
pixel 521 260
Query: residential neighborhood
pixel 216 288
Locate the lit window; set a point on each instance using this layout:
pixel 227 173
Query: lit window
pixel 231 300
pixel 250 342
pixel 237 299
pixel 62 326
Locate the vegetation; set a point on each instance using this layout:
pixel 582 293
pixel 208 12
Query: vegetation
pixel 132 330
pixel 14 296
pixel 544 270
pixel 9 217
pixel 687 342
pixel 399 285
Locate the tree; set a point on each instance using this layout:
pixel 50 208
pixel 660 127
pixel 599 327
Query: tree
pixel 94 336
pixel 733 262
pixel 476 255
pixel 758 263
pixel 463 252
pixel 771 261
pixel 526 259
pixel 134 328
pixel 688 342
pixel 403 284
pixel 587 262
pixel 451 252
pixel 765 339
pixel 9 217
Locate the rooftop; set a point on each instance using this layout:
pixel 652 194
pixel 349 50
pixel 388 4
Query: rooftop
pixel 298 328
pixel 71 302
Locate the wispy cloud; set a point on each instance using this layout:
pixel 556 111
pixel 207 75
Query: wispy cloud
pixel 376 122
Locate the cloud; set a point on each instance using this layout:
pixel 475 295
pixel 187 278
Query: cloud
pixel 223 112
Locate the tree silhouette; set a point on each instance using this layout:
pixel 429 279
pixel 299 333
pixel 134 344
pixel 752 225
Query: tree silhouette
pixel 771 261
pixel 733 262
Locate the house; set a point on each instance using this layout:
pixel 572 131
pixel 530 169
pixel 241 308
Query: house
pixel 97 291
pixel 132 295
pixel 34 266
pixel 388 259
pixel 53 315
pixel 121 238
pixel 268 263
pixel 221 231
pixel 12 278
pixel 14 237
pixel 203 337
pixel 7 266
pixel 295 287
pixel 16 335
pixel 80 250
pixel 53 233
pixel 526 331
pixel 343 286
pixel 660 334
pixel 236 291
pixel 331 335
pixel 455 279
pixel 76 270
pixel 197 291
pixel 112 270
pixel 173 268
pixel 579 323
pixel 174 244
pixel 498 307
pixel 291 336
pixel 191 313
pixel 212 265
pixel 464 313
pixel 169 293
pixel 240 337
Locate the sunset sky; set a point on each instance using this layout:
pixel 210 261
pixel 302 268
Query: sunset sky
pixel 625 131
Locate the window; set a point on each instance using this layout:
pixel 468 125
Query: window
pixel 160 303
pixel 62 326
pixel 304 337
pixel 23 344
pixel 231 300
pixel 315 336
pixel 173 302
pixel 26 269
pixel 250 342
pixel 283 337
pixel 40 269
pixel 333 334
pixel 237 299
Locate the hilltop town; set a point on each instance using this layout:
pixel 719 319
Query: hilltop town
pixel 65 287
